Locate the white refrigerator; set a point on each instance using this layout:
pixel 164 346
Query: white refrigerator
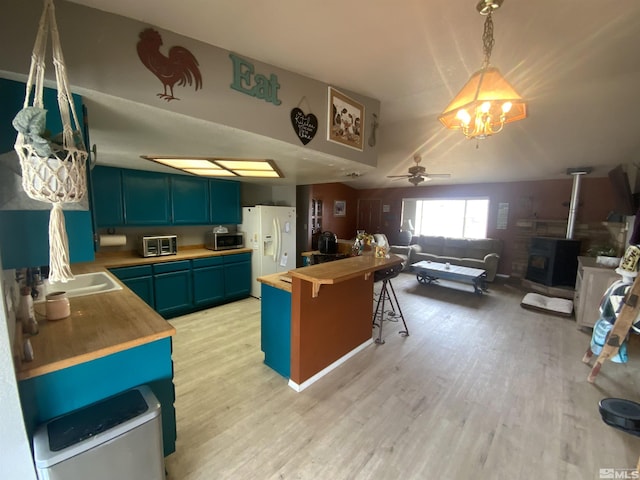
pixel 271 233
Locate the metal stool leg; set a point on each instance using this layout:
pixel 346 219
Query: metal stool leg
pixel 380 310
pixel 383 296
pixel 405 332
pixel 375 313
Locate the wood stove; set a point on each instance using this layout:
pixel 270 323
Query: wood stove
pixel 553 261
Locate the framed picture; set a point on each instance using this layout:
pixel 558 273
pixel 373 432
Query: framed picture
pixel 346 120
pixel 339 208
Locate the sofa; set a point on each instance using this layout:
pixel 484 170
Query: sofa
pixel 483 253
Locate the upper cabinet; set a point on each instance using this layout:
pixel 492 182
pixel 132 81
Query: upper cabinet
pixel 225 202
pixel 146 198
pixel 189 200
pixel 107 196
pixel 123 197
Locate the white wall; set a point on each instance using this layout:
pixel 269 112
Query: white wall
pixel 16 462
pixel 285 195
pixel 251 194
pixel 100 54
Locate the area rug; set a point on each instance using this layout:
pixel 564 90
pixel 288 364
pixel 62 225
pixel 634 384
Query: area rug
pixel 552 305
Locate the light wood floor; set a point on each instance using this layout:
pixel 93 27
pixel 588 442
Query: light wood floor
pixel 481 389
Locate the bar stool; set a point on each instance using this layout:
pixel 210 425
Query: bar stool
pixel 387 294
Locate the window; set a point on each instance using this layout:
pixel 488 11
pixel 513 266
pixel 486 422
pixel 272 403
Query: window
pixel 462 218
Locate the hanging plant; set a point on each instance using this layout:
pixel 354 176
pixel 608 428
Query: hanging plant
pixel 53 169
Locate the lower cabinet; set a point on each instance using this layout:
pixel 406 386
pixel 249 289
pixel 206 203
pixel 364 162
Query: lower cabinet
pixel 143 287
pixel 208 281
pixel 52 394
pixel 237 276
pixel 139 279
pixel 177 287
pixel 592 282
pixel 172 287
pixel 275 329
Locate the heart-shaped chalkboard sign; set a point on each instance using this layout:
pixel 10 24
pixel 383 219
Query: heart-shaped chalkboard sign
pixel 305 126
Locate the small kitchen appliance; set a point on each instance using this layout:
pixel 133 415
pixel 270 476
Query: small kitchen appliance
pixel 157 245
pixel 328 243
pixel 223 240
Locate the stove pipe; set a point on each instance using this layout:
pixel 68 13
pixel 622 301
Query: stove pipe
pixel 575 196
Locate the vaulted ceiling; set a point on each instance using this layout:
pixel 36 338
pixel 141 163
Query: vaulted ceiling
pixel 575 61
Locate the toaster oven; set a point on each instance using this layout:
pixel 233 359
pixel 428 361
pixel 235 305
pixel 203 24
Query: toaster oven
pixel 223 241
pixel 157 245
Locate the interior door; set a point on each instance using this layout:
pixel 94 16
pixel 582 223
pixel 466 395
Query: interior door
pixel 369 215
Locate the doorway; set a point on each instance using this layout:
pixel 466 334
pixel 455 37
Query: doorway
pixel 369 215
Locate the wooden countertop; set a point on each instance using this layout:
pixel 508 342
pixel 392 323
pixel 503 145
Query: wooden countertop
pixel 344 246
pixel 275 280
pixel 128 259
pixel 329 273
pixel 104 323
pixel 591 262
pixel 332 272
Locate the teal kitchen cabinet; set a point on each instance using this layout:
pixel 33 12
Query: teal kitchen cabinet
pixel 146 198
pixel 172 287
pixel 237 276
pixel 107 198
pixel 52 394
pixel 208 281
pixel 177 287
pixel 124 197
pixel 139 279
pixel 275 329
pixel 189 200
pixel 225 202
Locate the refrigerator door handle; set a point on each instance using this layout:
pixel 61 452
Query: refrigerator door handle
pixel 276 237
pixel 279 241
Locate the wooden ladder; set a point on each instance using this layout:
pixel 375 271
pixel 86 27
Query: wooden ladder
pixel 626 318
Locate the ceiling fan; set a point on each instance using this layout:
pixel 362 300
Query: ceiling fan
pixel 417 173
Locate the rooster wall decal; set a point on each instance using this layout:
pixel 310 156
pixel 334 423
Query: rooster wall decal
pixel 179 67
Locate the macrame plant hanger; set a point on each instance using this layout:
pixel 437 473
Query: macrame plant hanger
pixel 52 172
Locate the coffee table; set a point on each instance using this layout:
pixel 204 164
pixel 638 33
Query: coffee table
pixel 428 272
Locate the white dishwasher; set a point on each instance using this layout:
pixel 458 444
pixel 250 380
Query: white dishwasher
pixel 120 437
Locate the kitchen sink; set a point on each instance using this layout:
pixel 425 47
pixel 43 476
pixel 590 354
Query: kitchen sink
pixel 84 284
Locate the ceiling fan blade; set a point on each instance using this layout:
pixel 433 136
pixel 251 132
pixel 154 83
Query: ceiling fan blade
pixel 438 175
pixel 399 176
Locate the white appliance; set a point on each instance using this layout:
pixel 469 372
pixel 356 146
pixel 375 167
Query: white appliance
pixel 271 233
pixel 120 437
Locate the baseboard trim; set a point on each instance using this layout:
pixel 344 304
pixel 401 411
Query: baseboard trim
pixel 300 387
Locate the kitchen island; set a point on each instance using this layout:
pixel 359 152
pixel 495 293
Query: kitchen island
pixel 331 309
pixel 111 342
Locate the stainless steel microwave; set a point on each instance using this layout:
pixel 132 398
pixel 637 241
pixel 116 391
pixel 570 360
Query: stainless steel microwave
pixel 157 245
pixel 223 241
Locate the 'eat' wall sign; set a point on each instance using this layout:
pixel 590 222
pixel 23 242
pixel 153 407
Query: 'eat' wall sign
pixel 245 80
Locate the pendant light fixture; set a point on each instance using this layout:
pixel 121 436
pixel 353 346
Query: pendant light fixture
pixel 487 101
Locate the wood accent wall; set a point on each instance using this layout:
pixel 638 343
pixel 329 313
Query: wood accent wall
pixel 343 227
pixel 547 200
